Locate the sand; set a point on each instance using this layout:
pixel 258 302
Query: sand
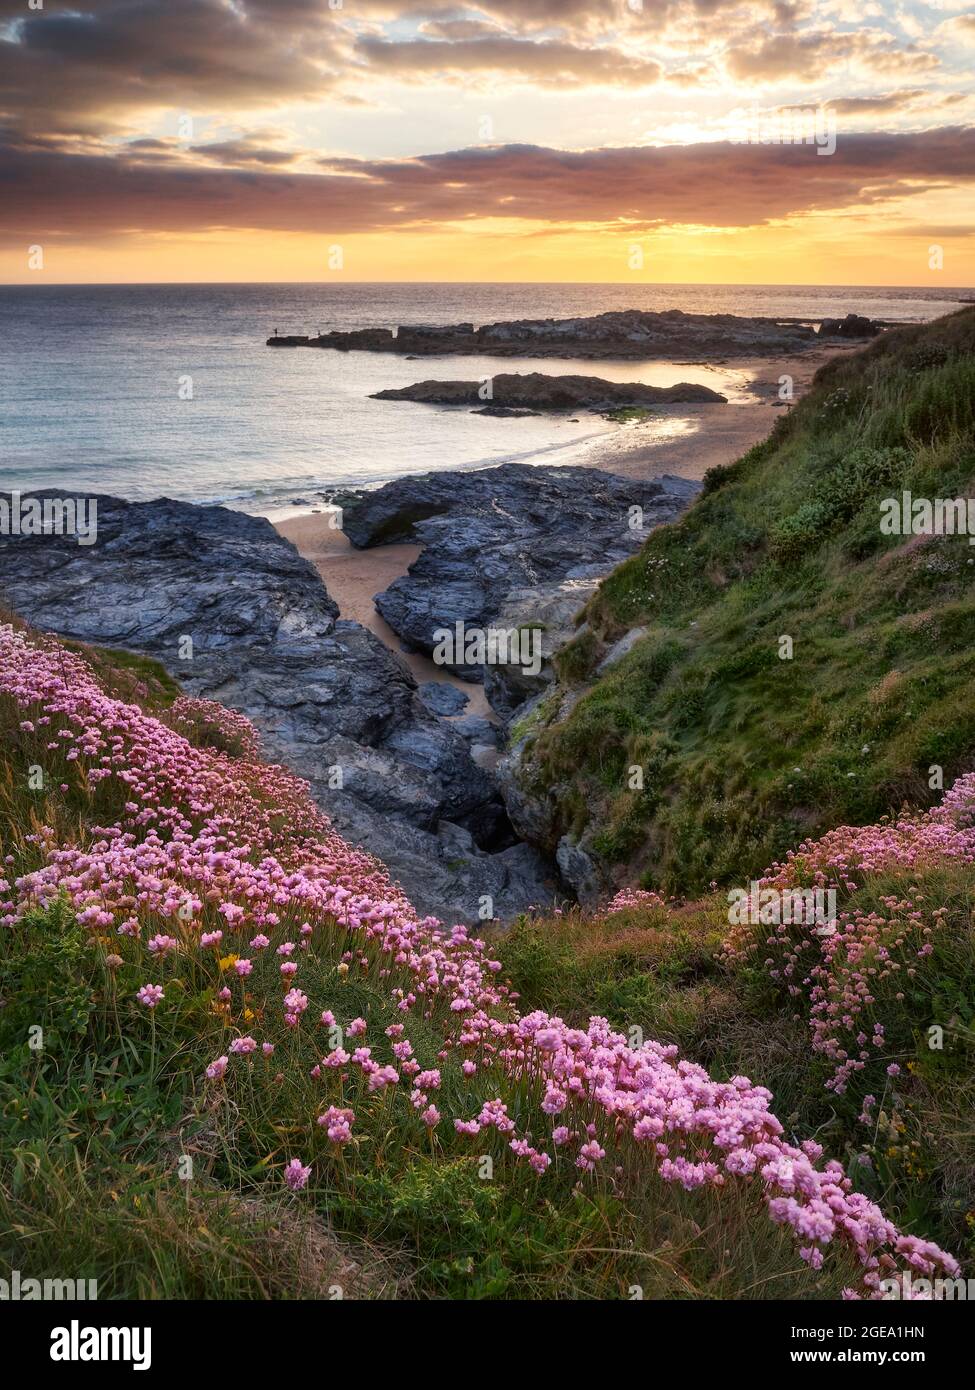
pixel 689 439
pixel 685 440
pixel 353 577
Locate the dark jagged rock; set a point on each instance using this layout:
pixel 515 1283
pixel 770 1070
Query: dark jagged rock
pixel 479 732
pixel 489 533
pixel 325 694
pixel 625 333
pixel 853 326
pixel 443 698
pixel 535 390
pixel 554 608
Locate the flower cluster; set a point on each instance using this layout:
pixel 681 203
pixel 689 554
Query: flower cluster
pixel 872 951
pixel 209 862
pixel 628 898
pixel 207 723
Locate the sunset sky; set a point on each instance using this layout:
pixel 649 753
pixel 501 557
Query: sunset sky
pixel 590 140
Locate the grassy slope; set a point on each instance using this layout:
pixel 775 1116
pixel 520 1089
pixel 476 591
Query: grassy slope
pixel 96 1122
pixel 662 970
pixel 745 753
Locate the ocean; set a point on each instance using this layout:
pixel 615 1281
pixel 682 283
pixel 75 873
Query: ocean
pixel 168 390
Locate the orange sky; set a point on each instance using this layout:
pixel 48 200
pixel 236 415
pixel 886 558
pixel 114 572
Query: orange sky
pixel 583 140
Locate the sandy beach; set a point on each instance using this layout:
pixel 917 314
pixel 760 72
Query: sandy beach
pixel 685 440
pixel 689 439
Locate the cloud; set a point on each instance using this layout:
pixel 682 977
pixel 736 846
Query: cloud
pixel 89 68
pixel 55 193
pixel 961 30
pixel 245 151
pixel 813 56
pixel 545 62
pixel 881 104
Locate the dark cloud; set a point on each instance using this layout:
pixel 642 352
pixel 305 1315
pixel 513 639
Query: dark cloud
pixel 86 66
pixel 52 193
pixel 244 152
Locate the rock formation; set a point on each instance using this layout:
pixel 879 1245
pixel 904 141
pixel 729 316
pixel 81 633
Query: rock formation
pixel 512 392
pixel 626 333
pixel 232 610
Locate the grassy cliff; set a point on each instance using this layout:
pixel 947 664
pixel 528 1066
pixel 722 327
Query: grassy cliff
pixel 746 742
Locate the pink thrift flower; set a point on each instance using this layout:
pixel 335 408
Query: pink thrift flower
pixel 295 1175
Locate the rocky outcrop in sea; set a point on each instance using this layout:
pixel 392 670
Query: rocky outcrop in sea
pixel 626 333
pixel 231 610
pixel 536 392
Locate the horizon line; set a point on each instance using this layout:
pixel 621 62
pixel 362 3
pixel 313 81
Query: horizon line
pixel 654 284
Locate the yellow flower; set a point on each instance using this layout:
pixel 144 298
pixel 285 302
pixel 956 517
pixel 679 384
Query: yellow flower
pixel 228 962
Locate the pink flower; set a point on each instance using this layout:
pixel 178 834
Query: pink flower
pixel 338 1124
pixel 384 1076
pixel 243 967
pixel 243 1045
pixel 295 1002
pixel 431 1117
pixel 216 1069
pixel 295 1175
pixel 589 1155
pixel 150 995
pixel 356 1028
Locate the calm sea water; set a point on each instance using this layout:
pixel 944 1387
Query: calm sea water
pixel 90 381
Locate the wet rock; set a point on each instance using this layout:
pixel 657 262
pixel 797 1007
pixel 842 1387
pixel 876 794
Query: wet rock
pixel 491 533
pixel 232 610
pixel 442 698
pixel 478 731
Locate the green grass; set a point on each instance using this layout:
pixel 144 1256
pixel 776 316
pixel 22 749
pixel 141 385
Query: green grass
pixel 660 973
pixel 120 1162
pixel 99 1120
pixel 745 749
